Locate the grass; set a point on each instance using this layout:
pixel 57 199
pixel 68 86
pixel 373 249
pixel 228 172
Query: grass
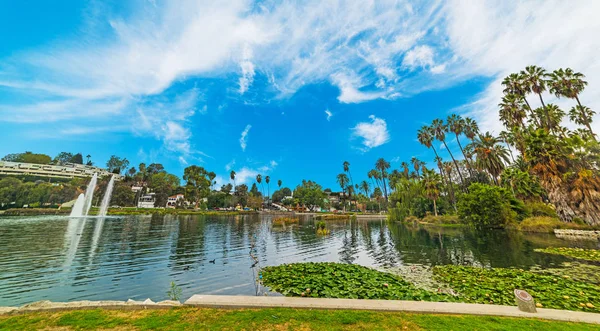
pixel 577 253
pixel 269 319
pixel 441 219
pixel 545 224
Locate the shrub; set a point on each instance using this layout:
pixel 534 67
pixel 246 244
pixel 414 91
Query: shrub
pixel 486 206
pixel 541 209
pixel 411 219
pixel 542 224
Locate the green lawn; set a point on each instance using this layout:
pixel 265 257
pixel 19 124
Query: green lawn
pixel 268 319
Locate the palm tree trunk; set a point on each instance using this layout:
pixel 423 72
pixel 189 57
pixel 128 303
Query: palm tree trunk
pixel 463 153
pixel 384 187
pixel 545 112
pixel 455 164
pixel 434 207
pixel 449 188
pixel 531 111
pixel 587 121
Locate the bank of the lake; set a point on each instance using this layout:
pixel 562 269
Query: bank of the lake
pixel 271 319
pixel 123 212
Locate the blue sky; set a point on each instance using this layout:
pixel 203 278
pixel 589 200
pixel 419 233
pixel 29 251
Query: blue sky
pixel 282 88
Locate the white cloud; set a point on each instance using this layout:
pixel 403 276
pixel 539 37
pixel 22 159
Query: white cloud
pixel 245 176
pixel 329 114
pixel 349 89
pixel 373 133
pixel 243 142
pixel 230 165
pixel 247 70
pixel 420 56
pixel 495 38
pixel 267 168
pixel 396 159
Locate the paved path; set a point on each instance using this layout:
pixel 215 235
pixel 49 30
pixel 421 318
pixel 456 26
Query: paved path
pixel 228 301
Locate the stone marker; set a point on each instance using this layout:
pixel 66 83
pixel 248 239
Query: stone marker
pixel 525 301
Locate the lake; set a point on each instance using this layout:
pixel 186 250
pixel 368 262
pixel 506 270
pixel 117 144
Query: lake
pixel 61 259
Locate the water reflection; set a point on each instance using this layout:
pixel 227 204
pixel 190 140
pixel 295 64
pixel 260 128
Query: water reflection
pixel 64 259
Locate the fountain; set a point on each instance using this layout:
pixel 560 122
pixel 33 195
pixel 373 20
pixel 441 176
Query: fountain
pixel 77 210
pixel 107 196
pixel 89 194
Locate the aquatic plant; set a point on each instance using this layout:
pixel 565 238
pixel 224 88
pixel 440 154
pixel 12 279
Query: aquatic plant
pixel 577 253
pixel 322 228
pixel 284 220
pixel 174 292
pixel 336 280
pixel 496 286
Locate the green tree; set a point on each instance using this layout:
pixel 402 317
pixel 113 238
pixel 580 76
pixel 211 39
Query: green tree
pixel 439 130
pixel 486 206
pixel 28 157
pixel 343 180
pixel 570 84
pixel 232 176
pixel 431 187
pixel 456 125
pixel 197 185
pixel 163 185
pixel 310 194
pixel 116 164
pixel 534 80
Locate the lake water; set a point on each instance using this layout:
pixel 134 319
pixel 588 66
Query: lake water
pixel 117 258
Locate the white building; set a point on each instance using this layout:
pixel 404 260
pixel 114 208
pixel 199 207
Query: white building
pixel 147 200
pixel 172 200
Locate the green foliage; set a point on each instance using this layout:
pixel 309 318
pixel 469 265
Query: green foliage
pixel 496 286
pixel 310 194
pixel 28 157
pixel 174 292
pixel 15 193
pixel 544 224
pixel 279 195
pixel 486 206
pixel 336 280
pixel 577 253
pixel 163 185
pixel 523 185
pixel 541 209
pixel 116 165
pixel 197 184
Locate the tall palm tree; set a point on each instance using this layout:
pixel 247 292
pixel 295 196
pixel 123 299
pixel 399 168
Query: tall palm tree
pixel 569 84
pixel 374 176
pixel 232 176
pixel 534 78
pixel 343 180
pixel 509 139
pixel 582 115
pixel 382 165
pixel 279 183
pixel 259 181
pixel 490 155
pixel 416 165
pixel 439 129
pixel 364 185
pixel 456 124
pixel 405 170
pixel 555 116
pixel 346 166
pixel 513 84
pixel 268 180
pixel 431 185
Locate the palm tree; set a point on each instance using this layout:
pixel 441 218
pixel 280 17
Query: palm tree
pixel 259 181
pixel 404 167
pixel 490 155
pixel 555 116
pixel 342 179
pixel 456 124
pixel 431 185
pixel 569 84
pixel 534 79
pixel 513 84
pixel 471 128
pixel 416 164
pixel 364 185
pixel 509 139
pixel 347 170
pixel 582 115
pixel 382 165
pixel 439 131
pixel 268 180
pixel 279 183
pixel 374 176
pixel 232 176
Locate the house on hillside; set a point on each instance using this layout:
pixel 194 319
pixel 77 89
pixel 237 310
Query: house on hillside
pixel 173 200
pixel 147 200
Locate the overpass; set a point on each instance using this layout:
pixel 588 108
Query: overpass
pixel 67 170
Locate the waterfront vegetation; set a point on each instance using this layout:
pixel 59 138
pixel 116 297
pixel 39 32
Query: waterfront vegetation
pixel 577 253
pixel 472 285
pixel 270 319
pixel 285 220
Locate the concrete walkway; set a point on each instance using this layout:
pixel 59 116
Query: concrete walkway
pixel 228 301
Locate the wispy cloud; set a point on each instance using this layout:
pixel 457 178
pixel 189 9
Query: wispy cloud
pixel 329 114
pixel 373 133
pixel 243 138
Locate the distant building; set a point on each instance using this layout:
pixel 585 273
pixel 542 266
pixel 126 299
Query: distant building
pixel 147 200
pixel 66 170
pixel 172 200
